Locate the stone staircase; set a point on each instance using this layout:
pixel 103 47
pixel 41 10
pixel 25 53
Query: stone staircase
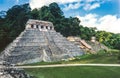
pixel 65 45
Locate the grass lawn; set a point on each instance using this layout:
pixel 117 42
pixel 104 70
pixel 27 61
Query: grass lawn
pixel 75 72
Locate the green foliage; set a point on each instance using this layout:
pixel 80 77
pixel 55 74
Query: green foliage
pixel 68 26
pixel 34 14
pixel 55 10
pixel 109 39
pixel 103 36
pixel 86 33
pixel 13 23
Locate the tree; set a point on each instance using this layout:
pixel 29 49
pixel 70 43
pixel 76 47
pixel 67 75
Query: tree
pixel 73 26
pixel 103 36
pixel 35 14
pixel 3 39
pixel 55 10
pixel 86 33
pixel 17 16
pixel 46 15
pixel 13 23
pixel 117 41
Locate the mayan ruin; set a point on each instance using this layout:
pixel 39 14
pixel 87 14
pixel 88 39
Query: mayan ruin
pixel 39 42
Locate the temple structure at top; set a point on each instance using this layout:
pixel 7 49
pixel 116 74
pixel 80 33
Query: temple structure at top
pixel 38 24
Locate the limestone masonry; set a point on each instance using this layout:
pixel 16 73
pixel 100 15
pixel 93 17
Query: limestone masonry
pixel 39 42
pixel 6 71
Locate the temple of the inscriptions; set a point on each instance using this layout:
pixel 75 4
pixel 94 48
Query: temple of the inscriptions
pixel 40 42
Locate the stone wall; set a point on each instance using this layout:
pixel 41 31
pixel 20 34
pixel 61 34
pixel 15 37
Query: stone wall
pixel 9 71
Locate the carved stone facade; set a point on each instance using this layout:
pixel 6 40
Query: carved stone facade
pixel 41 25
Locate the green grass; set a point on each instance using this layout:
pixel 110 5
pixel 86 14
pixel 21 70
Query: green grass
pixel 75 72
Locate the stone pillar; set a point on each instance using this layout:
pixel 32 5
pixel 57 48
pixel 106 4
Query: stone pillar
pixel 48 27
pixel 40 27
pixel 34 26
pixel 52 28
pixel 44 27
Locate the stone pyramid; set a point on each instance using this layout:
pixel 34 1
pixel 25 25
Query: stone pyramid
pixel 39 42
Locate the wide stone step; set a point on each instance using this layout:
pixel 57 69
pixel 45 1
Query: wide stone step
pixel 27 48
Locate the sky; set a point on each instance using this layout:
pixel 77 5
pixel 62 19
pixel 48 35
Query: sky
pixel 102 14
